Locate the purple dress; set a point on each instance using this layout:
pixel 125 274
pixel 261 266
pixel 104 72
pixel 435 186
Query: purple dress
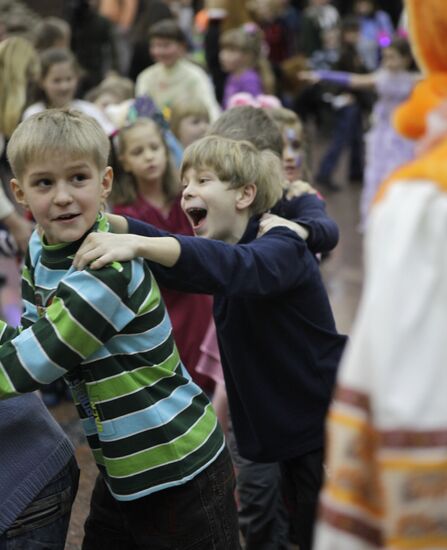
pixel 386 150
pixel 248 81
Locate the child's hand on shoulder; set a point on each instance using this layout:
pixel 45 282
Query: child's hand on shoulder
pixel 100 249
pixel 269 221
pixel 298 187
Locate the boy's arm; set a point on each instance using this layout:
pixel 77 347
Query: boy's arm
pixel 269 265
pixel 86 311
pixel 309 211
pixel 101 249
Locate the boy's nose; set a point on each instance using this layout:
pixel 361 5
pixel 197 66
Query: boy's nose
pixel 187 191
pixel 62 194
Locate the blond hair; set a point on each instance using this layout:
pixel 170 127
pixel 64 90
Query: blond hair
pixel 184 108
pixel 125 190
pixel 17 60
pixel 57 131
pixel 119 86
pixel 238 163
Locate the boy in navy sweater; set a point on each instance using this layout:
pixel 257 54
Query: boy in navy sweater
pixel 277 337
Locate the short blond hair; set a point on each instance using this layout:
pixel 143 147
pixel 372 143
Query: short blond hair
pixel 57 131
pixel 238 163
pixel 184 108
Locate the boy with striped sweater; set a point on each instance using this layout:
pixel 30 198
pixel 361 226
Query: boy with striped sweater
pixel 165 475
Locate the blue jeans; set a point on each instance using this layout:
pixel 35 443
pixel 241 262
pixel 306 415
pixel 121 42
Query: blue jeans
pixel 44 523
pixel 199 515
pixel 347 133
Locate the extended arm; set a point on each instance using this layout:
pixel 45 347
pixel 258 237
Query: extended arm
pixel 274 263
pixel 352 80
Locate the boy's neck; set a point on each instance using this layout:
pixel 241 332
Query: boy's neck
pixel 171 66
pixel 239 228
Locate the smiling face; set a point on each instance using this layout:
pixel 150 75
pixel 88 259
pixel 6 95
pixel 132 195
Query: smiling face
pixel 166 51
pixel 214 209
pixel 64 195
pixel 144 154
pixel 59 84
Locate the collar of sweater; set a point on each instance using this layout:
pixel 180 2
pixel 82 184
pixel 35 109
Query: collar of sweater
pixel 61 255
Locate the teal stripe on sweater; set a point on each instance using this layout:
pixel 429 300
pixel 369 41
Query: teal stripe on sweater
pixel 133 344
pixel 101 298
pixel 153 416
pixel 34 359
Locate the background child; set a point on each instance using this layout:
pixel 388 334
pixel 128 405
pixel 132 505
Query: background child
pixel 112 90
pixel 173 77
pixel 152 431
pixel 385 149
pixel 376 31
pixel 18 67
pixel 93 42
pixel 149 191
pixel 52 32
pixel 280 25
pixel 241 57
pixel 227 184
pixel 189 120
pixel 294 154
pixel 57 86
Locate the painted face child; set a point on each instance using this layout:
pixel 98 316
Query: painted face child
pixel 292 154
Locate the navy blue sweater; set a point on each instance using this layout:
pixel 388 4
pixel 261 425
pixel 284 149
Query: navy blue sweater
pixel 309 210
pixel 277 337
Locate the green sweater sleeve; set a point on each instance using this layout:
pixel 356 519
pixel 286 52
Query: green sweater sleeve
pixel 87 310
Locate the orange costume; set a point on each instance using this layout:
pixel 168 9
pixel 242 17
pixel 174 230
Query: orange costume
pixel 386 484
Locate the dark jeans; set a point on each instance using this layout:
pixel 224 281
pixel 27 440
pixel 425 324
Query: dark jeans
pixel 199 515
pixel 263 518
pixel 302 479
pixel 347 132
pixel 44 523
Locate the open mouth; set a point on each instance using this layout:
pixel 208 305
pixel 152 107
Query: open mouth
pixel 197 216
pixel 66 217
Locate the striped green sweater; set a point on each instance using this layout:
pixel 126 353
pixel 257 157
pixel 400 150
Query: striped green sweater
pixel 107 332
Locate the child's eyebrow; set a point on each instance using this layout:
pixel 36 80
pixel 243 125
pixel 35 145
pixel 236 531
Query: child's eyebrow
pixel 77 166
pixel 74 166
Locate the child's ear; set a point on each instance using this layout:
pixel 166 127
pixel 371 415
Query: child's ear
pixel 18 193
pixel 107 181
pixel 246 196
